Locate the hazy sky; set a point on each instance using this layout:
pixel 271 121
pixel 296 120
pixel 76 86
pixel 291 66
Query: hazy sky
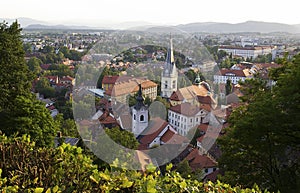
pixel 154 11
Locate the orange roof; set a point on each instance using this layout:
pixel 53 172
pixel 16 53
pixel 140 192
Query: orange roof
pixel 109 79
pixel 198 161
pixel 203 127
pixel 155 127
pixel 171 137
pixel 185 109
pixel 176 96
pixel 129 86
pixel 66 78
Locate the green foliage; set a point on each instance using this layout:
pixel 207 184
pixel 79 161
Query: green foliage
pixel 122 137
pixel 60 70
pixel 43 87
pixel 262 144
pixel 34 65
pixel 20 112
pixel 26 168
pixel 15 77
pixel 228 86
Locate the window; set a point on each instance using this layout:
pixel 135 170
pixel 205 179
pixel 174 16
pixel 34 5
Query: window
pixel 174 84
pixel 166 84
pixel 134 117
pixel 142 118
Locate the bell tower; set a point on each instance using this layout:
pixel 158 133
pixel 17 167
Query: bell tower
pixel 169 74
pixel 139 114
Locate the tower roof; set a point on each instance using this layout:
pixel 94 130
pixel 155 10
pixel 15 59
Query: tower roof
pixel 170 56
pixel 197 79
pixel 140 100
pixel 170 67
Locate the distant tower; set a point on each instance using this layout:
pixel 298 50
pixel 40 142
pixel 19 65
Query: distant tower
pixel 169 75
pixel 139 114
pixel 197 80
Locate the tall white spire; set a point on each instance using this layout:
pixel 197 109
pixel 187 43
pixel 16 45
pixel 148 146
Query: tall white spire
pixel 169 74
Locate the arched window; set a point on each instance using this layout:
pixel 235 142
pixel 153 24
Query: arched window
pixel 142 118
pixel 134 117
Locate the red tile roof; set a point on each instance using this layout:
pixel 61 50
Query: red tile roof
pixel 238 73
pixel 155 127
pixel 109 79
pixel 212 176
pixel 106 118
pixel 198 161
pixel 173 138
pixel 66 78
pixel 185 109
pixel 176 96
pixel 204 99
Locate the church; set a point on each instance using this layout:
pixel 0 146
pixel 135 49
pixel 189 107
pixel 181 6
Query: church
pixel 169 75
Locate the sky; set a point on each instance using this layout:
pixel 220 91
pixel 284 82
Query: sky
pixel 168 12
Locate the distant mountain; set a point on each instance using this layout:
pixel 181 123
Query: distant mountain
pixel 23 21
pixel 209 27
pixel 39 26
pixel 249 26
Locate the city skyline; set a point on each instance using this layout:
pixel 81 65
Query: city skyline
pixel 106 12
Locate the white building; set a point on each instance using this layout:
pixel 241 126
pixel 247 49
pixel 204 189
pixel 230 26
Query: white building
pixel 248 52
pixel 185 116
pixel 234 75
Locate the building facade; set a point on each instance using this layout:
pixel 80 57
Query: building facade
pixel 247 52
pixel 234 75
pixel 185 116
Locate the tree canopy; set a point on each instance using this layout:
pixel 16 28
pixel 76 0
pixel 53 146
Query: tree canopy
pixel 20 111
pixel 262 144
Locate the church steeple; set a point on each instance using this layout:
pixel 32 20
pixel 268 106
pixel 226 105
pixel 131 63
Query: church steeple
pixel 170 67
pixel 139 114
pixel 139 99
pixel 169 74
pixel 170 56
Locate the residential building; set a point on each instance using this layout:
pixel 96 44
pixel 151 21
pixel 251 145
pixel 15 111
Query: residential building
pixel 160 132
pixel 197 160
pixel 192 94
pixel 185 116
pixel 234 75
pixel 248 52
pixel 121 89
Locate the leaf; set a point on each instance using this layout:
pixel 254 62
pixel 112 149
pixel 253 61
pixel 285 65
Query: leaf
pixel 169 167
pixel 127 184
pixel 38 190
pixel 55 189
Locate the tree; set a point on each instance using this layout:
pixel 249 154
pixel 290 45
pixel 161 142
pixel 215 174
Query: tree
pixel 228 86
pixel 20 112
pixel 122 137
pixel 43 87
pixel 34 65
pixel 262 144
pixel 15 77
pixel 184 169
pixel 27 168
